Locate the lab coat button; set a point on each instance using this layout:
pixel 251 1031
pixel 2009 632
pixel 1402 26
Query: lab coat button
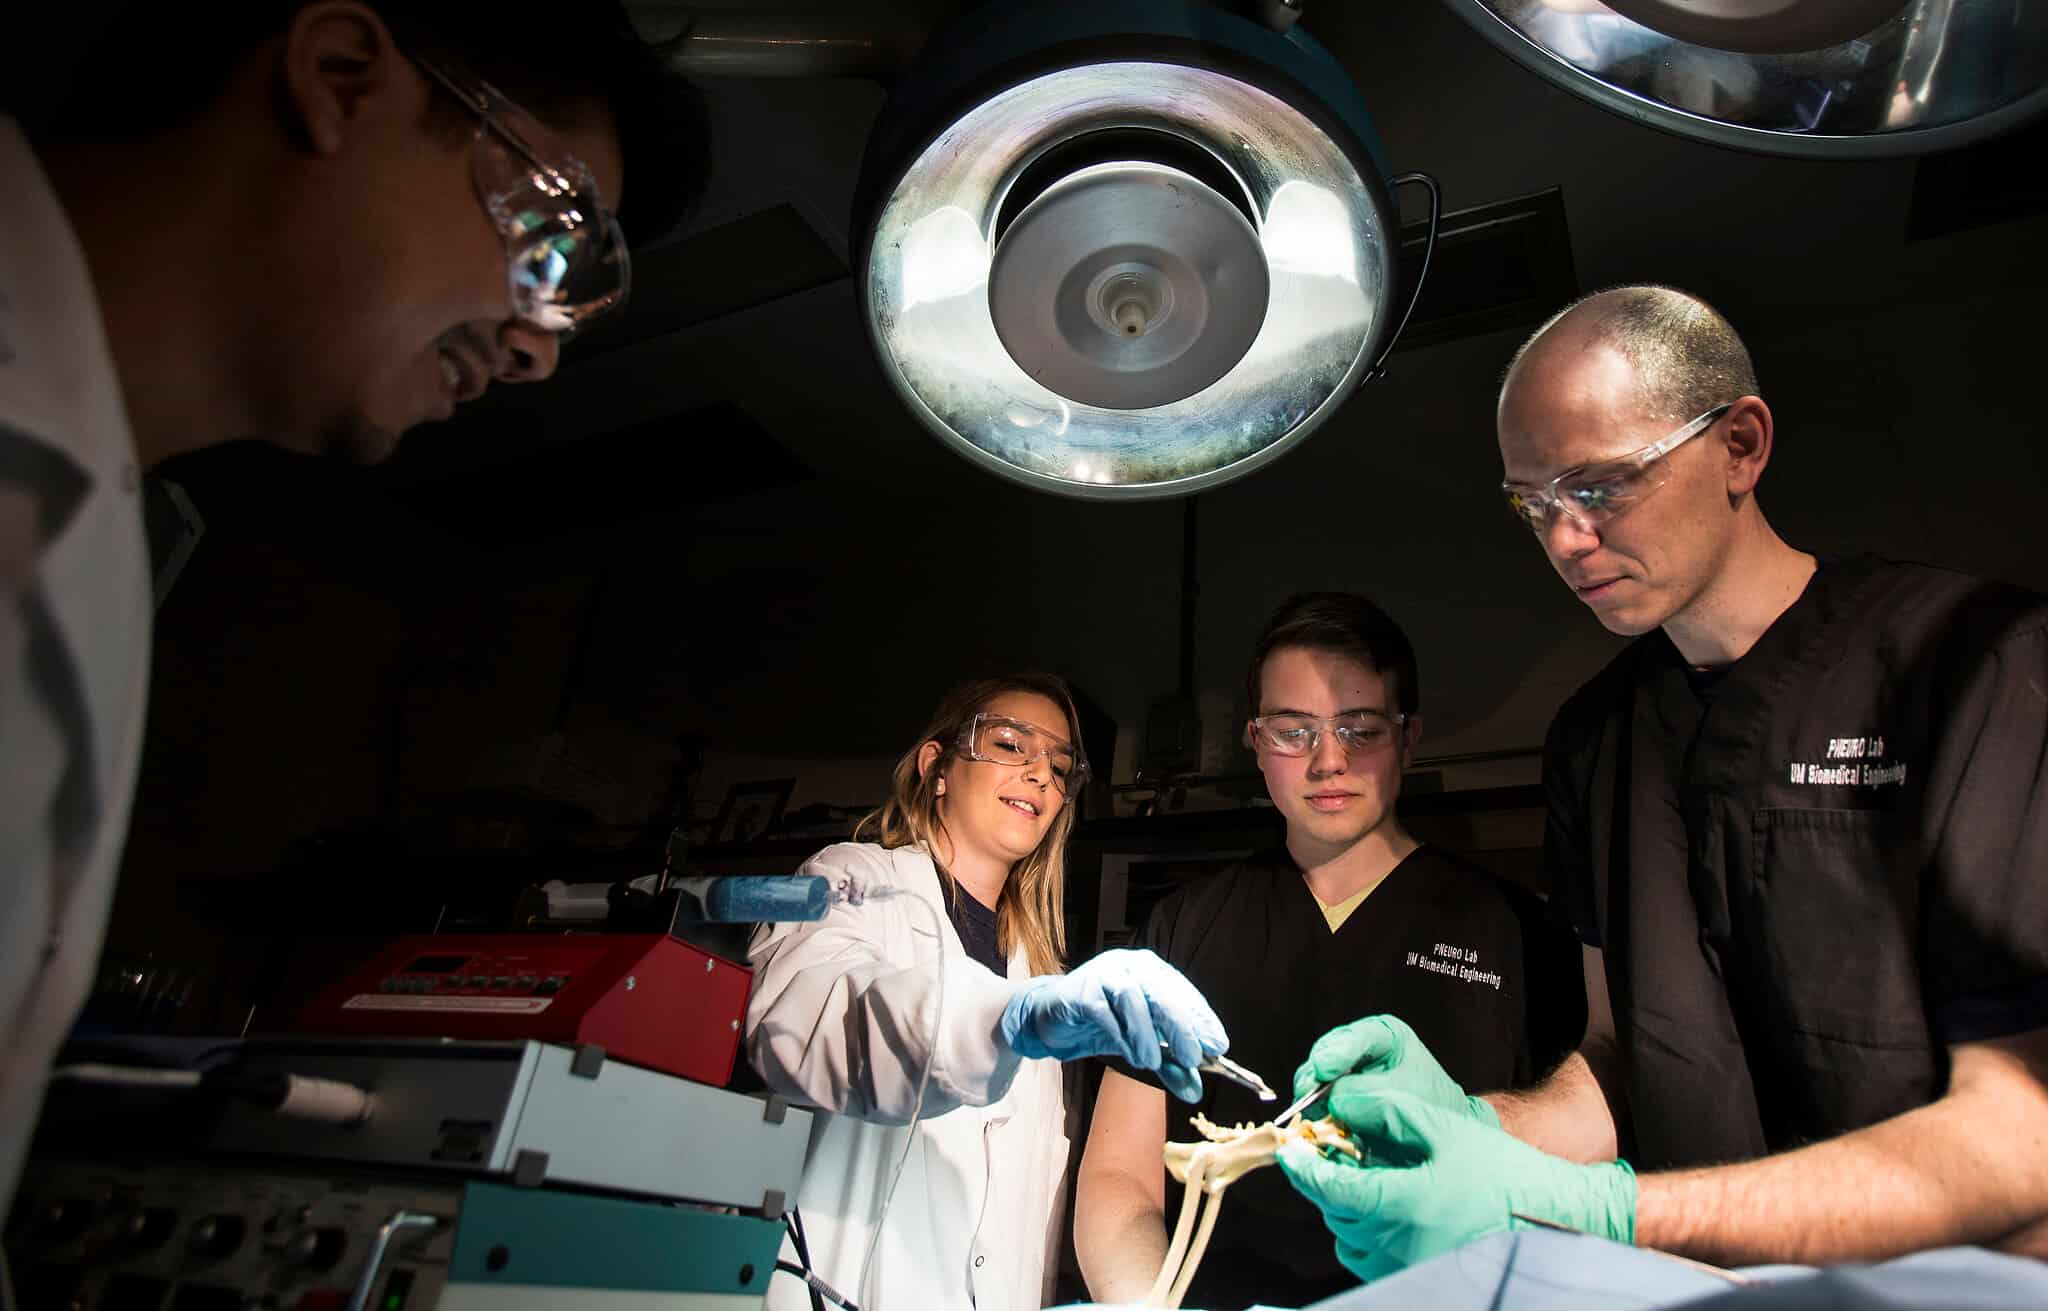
pixel 978 1261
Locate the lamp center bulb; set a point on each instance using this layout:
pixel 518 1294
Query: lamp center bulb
pixel 1130 300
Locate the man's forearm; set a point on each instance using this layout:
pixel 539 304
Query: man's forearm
pixel 1969 1168
pixel 1566 1115
pixel 1573 1113
pixel 1926 1179
pixel 2028 1240
pixel 1119 1236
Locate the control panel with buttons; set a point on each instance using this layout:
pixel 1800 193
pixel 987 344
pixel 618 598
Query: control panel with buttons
pixel 536 968
pixel 257 1240
pixel 115 1237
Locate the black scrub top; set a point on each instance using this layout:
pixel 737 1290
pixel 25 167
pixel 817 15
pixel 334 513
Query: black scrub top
pixel 1488 980
pixel 1812 874
pixel 976 925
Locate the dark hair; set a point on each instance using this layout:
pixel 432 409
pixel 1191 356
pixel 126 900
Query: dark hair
pixel 1348 624
pixel 156 65
pixel 1686 356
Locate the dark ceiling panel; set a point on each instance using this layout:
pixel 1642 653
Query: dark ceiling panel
pixel 1496 266
pixel 710 274
pixel 583 488
pixel 446 509
pixel 1993 182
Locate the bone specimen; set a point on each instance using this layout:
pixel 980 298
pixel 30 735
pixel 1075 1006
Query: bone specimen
pixel 1208 1167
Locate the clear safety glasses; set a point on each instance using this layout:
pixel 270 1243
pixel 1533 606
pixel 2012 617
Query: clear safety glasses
pixel 565 256
pixel 1594 493
pixel 1358 732
pixel 1002 741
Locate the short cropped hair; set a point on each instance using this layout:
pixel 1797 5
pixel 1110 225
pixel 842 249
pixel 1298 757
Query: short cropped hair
pixel 1686 356
pixel 156 65
pixel 1347 624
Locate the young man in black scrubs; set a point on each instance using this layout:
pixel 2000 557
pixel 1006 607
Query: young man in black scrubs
pixel 1801 826
pixel 1352 916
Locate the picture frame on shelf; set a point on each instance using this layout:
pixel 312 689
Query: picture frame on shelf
pixel 751 811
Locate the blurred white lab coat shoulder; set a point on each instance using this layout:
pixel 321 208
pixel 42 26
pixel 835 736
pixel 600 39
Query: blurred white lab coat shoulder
pixel 841 1019
pixel 74 635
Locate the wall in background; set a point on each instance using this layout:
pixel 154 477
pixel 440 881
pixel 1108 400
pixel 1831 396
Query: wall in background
pixel 325 669
pixel 346 654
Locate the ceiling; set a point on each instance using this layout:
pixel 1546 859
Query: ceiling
pixel 755 293
pixel 741 392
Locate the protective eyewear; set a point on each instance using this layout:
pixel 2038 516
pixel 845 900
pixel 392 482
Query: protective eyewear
pixel 565 256
pixel 1594 493
pixel 998 740
pixel 1357 731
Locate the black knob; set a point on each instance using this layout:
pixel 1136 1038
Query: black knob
pixel 316 1249
pixel 62 1221
pixel 141 1231
pixel 216 1236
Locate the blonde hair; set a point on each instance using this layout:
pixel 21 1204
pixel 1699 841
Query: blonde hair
pixel 1032 907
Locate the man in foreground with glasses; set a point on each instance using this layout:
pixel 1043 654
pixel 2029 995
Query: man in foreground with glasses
pixel 317 223
pixel 1801 827
pixel 1352 916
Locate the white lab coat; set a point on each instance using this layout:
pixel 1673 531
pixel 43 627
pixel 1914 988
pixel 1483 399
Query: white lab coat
pixel 74 635
pixel 840 1019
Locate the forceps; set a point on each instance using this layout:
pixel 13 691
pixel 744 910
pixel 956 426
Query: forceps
pixel 1301 1103
pixel 1225 1068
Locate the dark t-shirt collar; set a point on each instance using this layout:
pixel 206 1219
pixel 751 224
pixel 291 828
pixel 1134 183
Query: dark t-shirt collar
pixel 976 925
pixel 1833 576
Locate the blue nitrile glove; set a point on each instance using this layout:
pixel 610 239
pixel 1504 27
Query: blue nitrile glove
pixel 1384 1053
pixel 1434 1180
pixel 1123 1003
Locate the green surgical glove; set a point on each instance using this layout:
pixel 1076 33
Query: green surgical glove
pixel 1434 1180
pixel 1384 1055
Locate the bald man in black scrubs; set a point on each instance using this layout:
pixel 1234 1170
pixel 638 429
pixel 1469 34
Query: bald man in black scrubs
pixel 1801 827
pixel 1351 915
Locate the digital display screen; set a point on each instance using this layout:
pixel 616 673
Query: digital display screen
pixel 436 965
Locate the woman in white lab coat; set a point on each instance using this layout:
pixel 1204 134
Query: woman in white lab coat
pixel 958 890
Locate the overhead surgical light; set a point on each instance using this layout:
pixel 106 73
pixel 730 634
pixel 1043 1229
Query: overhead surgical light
pixel 1842 79
pixel 1126 248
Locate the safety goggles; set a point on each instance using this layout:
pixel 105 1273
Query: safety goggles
pixel 564 254
pixel 1594 493
pixel 1357 731
pixel 999 740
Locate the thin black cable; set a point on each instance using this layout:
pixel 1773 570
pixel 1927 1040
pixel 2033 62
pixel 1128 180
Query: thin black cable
pixel 794 1222
pixel 817 1285
pixel 1436 214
